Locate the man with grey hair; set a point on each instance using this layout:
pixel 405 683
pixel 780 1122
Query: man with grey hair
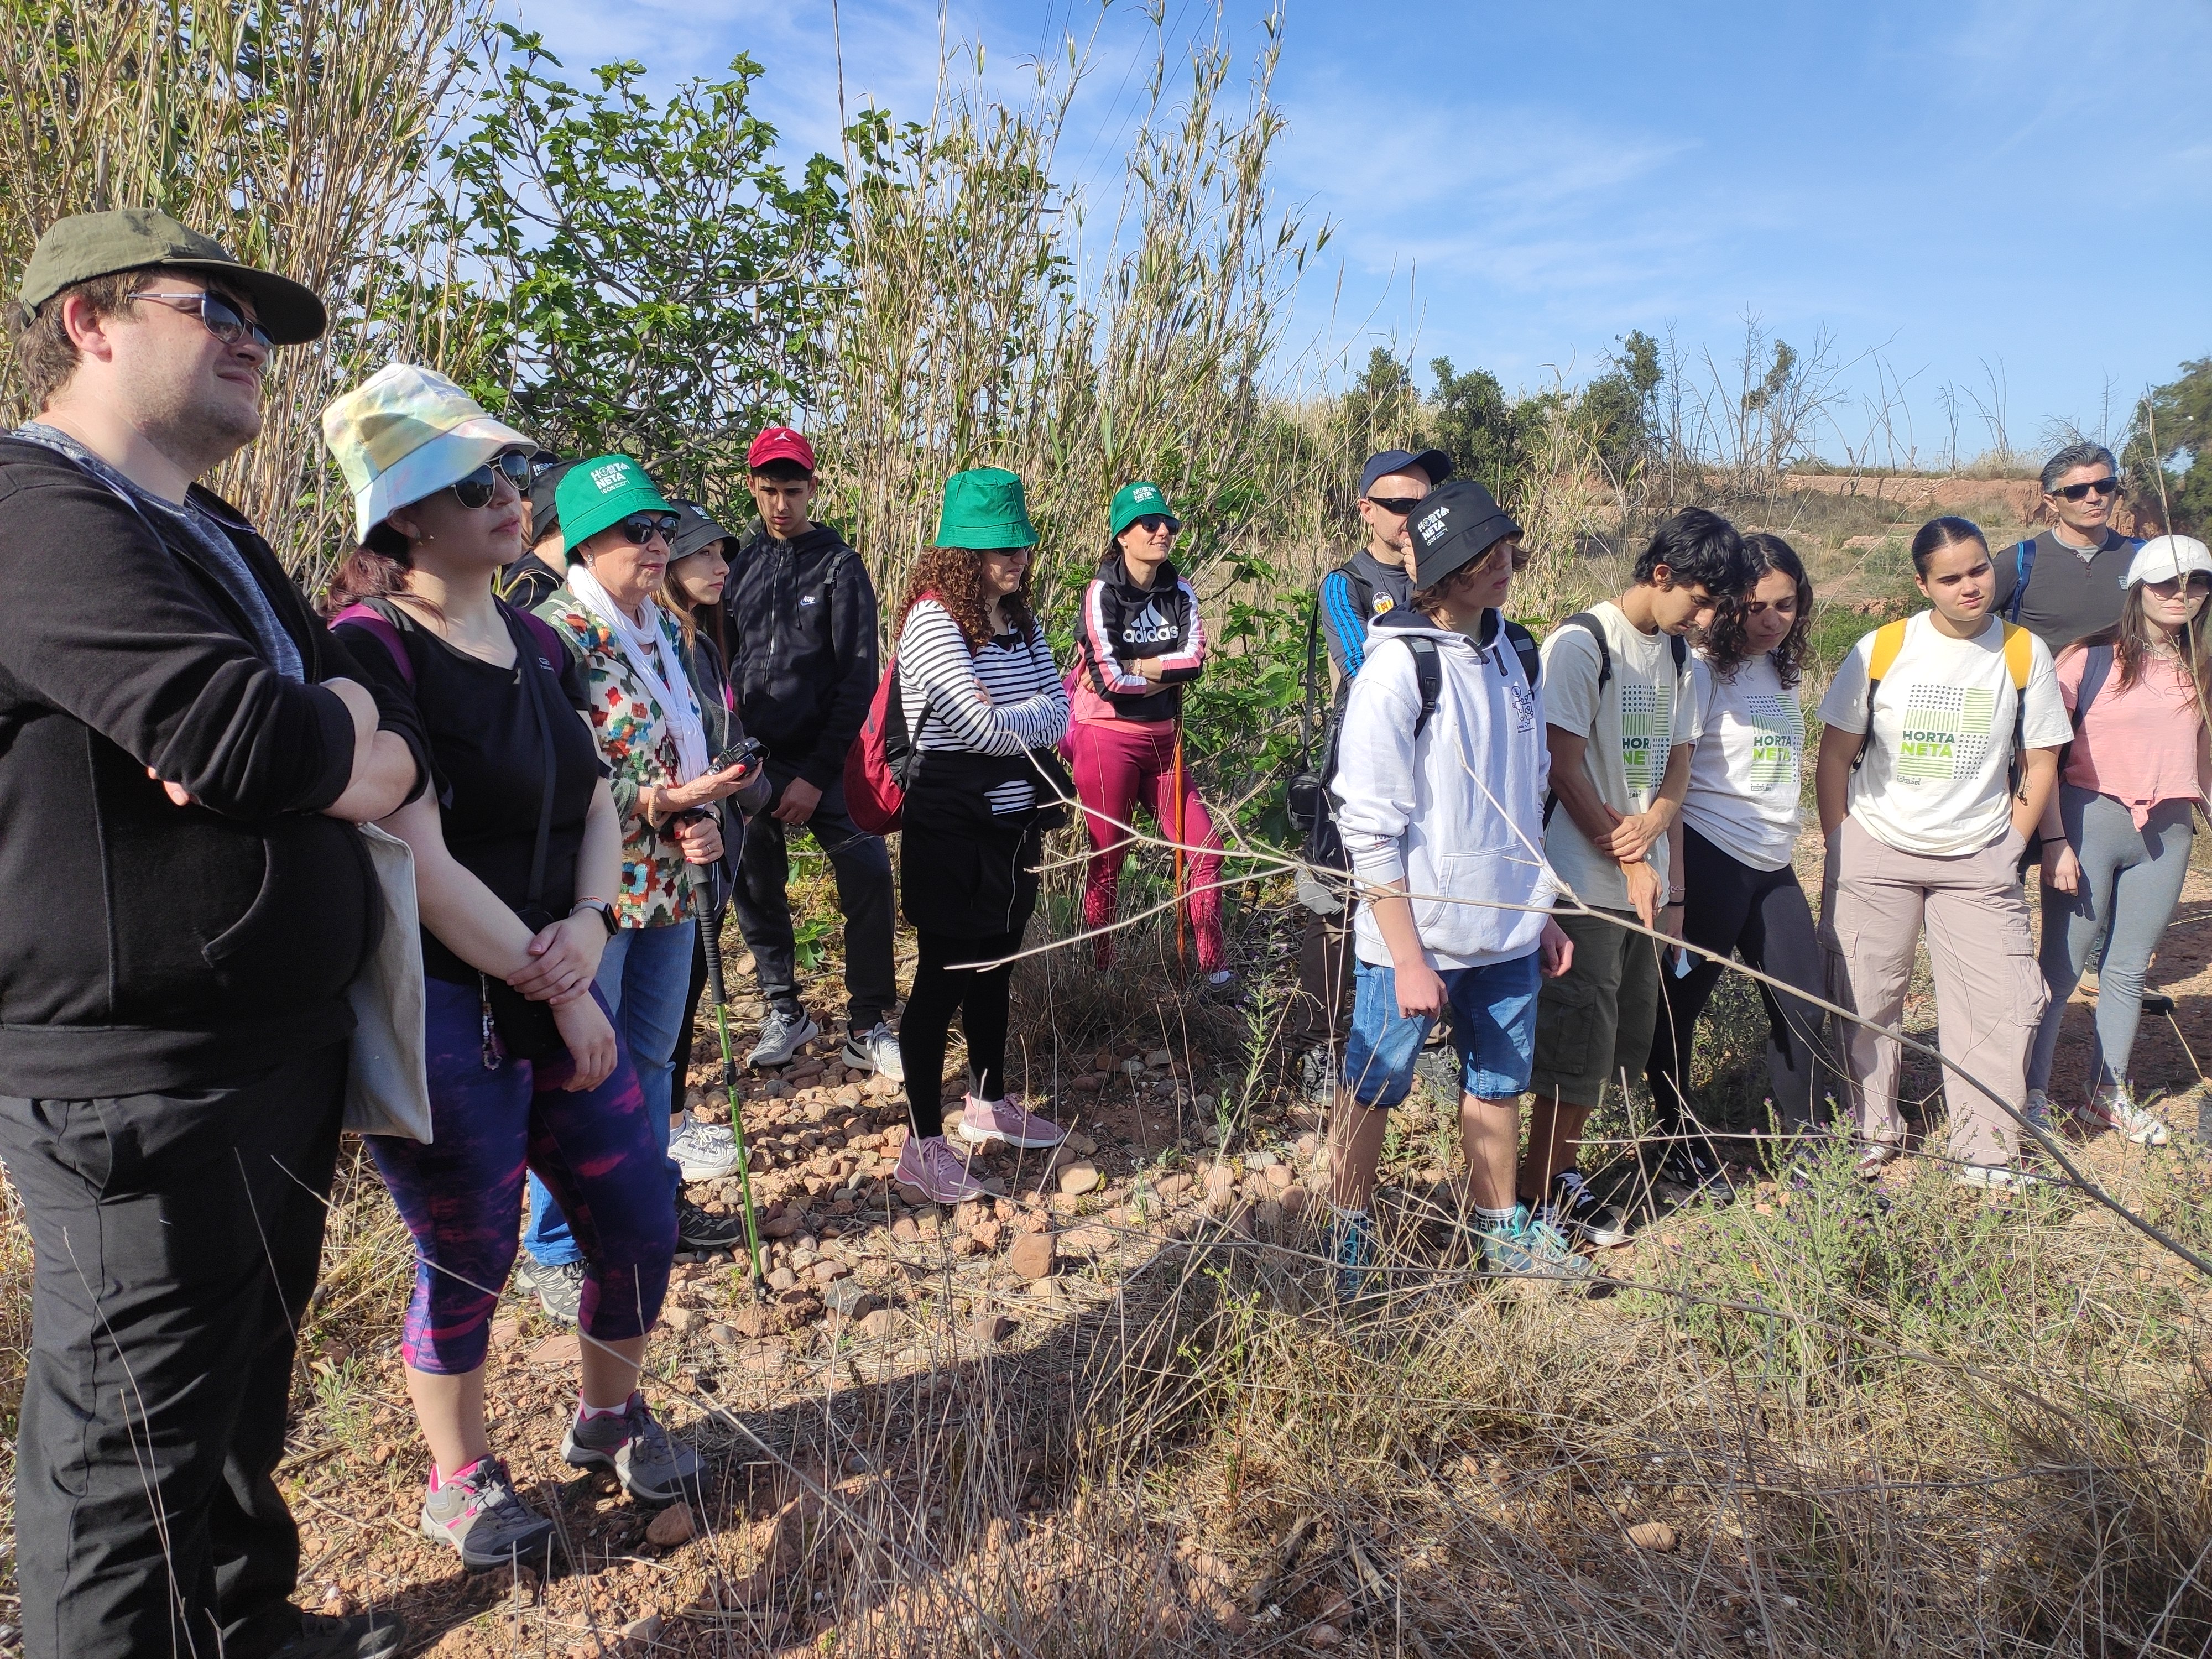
pixel 2068 579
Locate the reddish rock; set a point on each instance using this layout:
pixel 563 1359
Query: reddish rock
pixel 1078 1179
pixel 559 1349
pixel 988 1235
pixel 672 1527
pixel 1033 1254
pixel 1278 1176
pixel 992 1327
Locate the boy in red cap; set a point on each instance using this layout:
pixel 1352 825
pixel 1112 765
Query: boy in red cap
pixel 803 666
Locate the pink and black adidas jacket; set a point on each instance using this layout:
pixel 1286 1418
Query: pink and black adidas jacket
pixel 1122 623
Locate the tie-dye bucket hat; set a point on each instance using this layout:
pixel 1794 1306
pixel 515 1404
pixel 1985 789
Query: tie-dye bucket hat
pixel 406 433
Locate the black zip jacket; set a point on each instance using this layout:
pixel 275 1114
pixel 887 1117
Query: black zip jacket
pixel 147 946
pixel 803 651
pixel 1121 623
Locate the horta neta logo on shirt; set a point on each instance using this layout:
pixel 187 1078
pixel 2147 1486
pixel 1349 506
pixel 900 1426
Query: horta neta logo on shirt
pixel 1647 723
pixel 1778 735
pixel 1947 731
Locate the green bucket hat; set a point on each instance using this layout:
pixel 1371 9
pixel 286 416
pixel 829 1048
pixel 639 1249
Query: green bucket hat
pixel 1131 501
pixel 984 508
pixel 603 491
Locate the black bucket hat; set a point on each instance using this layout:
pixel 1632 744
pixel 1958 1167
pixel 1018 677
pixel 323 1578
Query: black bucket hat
pixel 1455 524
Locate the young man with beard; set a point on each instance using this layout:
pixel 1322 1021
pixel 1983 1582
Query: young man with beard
pixel 185 751
pixel 803 667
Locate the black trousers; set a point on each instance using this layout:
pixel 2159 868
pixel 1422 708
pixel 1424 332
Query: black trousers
pixel 1760 915
pixel 980 997
pixel 863 869
pixel 176 1238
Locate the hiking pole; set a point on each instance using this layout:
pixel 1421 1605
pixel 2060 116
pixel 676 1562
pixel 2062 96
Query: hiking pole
pixel 1175 785
pixel 710 939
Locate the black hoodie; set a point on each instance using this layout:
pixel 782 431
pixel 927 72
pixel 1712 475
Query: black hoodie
pixel 147 946
pixel 802 650
pixel 1122 623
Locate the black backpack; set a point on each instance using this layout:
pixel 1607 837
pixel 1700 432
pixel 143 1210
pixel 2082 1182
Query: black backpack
pixel 1306 800
pixel 1676 647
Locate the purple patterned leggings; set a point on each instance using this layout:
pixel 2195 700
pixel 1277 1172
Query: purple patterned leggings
pixel 461 1196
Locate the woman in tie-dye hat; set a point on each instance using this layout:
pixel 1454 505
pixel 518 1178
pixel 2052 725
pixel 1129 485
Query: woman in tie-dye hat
pixel 517 855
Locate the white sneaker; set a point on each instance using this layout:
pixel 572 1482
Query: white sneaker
pixel 782 1036
pixel 703 1151
pixel 931 1167
pixel 1997 1177
pixel 875 1049
pixel 2144 1127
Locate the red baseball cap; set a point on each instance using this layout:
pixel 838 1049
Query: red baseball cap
pixel 779 443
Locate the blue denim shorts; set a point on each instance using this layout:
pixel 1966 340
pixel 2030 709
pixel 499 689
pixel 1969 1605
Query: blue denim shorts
pixel 1493 1027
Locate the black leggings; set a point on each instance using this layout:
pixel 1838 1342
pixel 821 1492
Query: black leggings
pixel 1762 916
pixel 979 997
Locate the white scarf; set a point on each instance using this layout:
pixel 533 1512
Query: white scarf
pixel 676 701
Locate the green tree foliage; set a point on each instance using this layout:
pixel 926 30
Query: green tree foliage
pixel 662 287
pixel 2173 433
pixel 1484 433
pixel 1616 407
pixel 1380 410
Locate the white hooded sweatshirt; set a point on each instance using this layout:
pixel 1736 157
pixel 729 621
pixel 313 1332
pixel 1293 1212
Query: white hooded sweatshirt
pixel 1458 815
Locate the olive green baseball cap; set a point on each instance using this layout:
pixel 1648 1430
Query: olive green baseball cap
pixel 984 508
pixel 89 245
pixel 1133 501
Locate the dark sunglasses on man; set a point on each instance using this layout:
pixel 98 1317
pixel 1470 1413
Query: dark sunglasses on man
pixel 2098 486
pixel 1401 505
pixel 481 487
pixel 216 314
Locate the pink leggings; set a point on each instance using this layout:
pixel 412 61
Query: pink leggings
pixel 1115 763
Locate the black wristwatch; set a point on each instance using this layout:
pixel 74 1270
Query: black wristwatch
pixel 606 913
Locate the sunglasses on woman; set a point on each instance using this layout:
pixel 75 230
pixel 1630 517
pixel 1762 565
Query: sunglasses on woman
pixel 1152 523
pixel 640 528
pixel 2198 583
pixel 479 489
pixel 217 315
pixel 2097 486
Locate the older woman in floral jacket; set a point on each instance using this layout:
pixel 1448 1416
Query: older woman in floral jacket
pixel 646 722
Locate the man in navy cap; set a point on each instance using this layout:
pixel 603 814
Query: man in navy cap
pixel 1374 581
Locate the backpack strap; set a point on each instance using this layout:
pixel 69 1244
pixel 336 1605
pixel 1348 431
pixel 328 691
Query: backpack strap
pixel 1429 675
pixel 1888 640
pixel 1584 619
pixel 2096 669
pixel 1525 647
pixel 371 620
pixel 2023 559
pixel 1680 649
pixel 2019 663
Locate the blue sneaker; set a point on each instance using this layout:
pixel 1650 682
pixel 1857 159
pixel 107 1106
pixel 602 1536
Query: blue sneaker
pixel 1351 1248
pixel 1525 1246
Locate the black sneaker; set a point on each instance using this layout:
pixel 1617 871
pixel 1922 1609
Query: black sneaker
pixel 559 1287
pixel 697 1231
pixel 1690 1170
pixel 363 1635
pixel 1580 1215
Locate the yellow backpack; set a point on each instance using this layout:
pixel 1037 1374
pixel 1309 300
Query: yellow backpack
pixel 2020 660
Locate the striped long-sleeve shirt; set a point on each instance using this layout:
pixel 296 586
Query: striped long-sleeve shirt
pixel 1003 700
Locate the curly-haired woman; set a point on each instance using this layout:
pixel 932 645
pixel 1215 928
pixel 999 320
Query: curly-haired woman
pixel 1737 832
pixel 985 707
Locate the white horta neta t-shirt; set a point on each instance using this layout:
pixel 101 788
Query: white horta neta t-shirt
pixel 1934 780
pixel 1746 773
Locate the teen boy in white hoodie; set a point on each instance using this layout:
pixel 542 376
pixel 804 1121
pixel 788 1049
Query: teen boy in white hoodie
pixel 1440 788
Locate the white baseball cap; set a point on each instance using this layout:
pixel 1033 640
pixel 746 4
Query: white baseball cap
pixel 2162 558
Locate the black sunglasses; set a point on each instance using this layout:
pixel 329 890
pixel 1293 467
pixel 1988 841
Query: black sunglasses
pixel 2196 581
pixel 2098 486
pixel 482 486
pixel 640 528
pixel 1152 523
pixel 1401 505
pixel 217 315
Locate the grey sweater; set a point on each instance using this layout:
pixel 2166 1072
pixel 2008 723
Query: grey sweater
pixel 2068 596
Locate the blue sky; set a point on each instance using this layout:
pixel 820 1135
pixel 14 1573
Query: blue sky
pixel 2020 190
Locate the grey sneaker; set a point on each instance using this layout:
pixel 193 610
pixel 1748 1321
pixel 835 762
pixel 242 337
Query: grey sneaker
pixel 783 1033
pixel 480 1514
pixel 559 1287
pixel 362 1636
pixel 632 1447
pixel 2037 1111
pixel 875 1049
pixel 703 1151
pixel 1527 1248
pixel 1575 1212
pixel 696 1230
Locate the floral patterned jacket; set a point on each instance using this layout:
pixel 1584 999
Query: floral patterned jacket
pixel 632 733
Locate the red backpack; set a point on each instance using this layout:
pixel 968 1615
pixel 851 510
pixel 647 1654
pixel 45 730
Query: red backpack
pixel 879 766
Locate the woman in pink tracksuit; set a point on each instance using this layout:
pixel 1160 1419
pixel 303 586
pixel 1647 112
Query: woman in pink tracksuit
pixel 1139 641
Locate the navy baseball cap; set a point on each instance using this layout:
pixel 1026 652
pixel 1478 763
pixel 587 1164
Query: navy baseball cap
pixel 1454 525
pixel 1433 463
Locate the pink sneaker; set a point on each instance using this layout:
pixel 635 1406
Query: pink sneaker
pixel 940 1174
pixel 986 1120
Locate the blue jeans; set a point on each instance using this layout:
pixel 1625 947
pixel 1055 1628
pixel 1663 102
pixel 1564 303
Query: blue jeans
pixel 1493 1027
pixel 643 977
